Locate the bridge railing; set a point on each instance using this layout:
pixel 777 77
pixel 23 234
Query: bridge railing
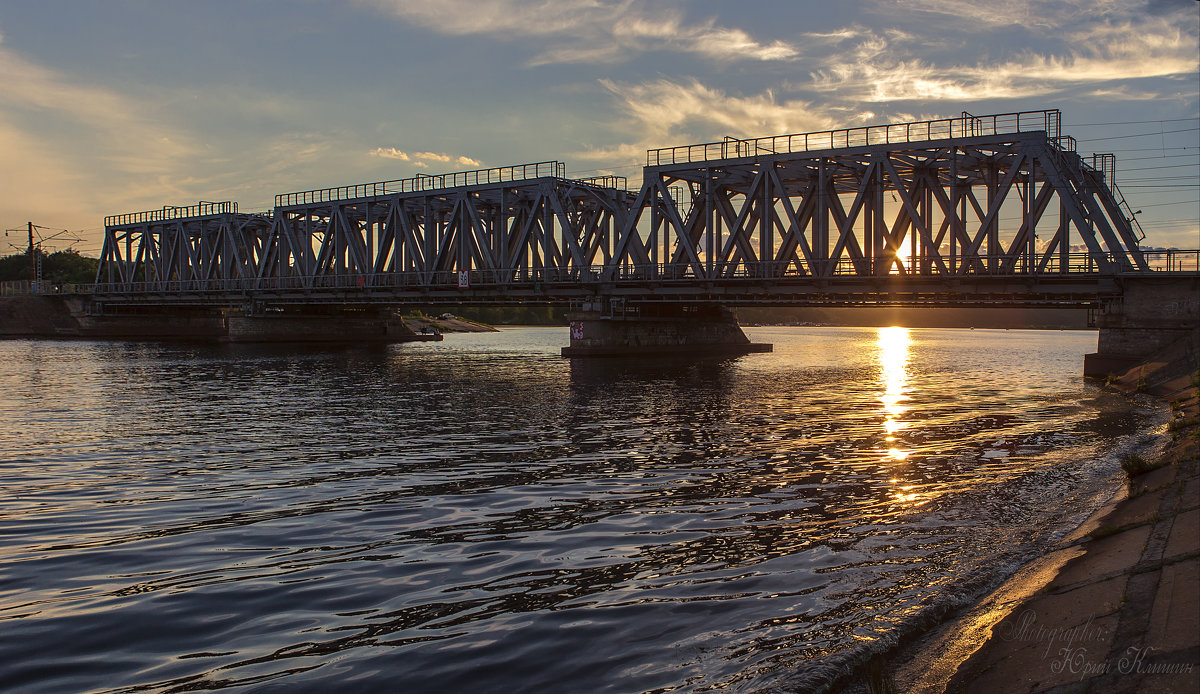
pixel 1173 260
pixel 44 287
pixel 16 287
pixel 170 212
pixel 617 182
pixel 1076 264
pixel 965 125
pixel 424 182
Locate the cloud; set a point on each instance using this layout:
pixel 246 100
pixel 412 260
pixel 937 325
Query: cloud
pixel 1124 93
pixel 665 113
pixel 586 31
pixel 977 16
pixel 389 153
pixel 1049 16
pixel 1169 6
pixel 880 71
pixel 663 108
pixel 422 159
pixel 134 143
pixel 1034 15
pixel 74 152
pixel 507 17
pixel 626 152
pixel 668 31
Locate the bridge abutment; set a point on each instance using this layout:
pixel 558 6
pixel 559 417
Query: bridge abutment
pixel 320 325
pixel 183 324
pixel 663 329
pixel 306 324
pixel 1152 314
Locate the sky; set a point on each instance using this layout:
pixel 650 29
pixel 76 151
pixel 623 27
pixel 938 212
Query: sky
pixel 118 106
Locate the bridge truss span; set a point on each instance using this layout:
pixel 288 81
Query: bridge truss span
pixel 996 205
pixel 980 209
pixel 551 228
pixel 205 243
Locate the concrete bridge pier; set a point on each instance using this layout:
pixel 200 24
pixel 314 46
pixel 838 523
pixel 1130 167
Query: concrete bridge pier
pixel 245 324
pixel 612 329
pixel 318 324
pixel 1152 314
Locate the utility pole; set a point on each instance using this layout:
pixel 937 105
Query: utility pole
pixel 32 260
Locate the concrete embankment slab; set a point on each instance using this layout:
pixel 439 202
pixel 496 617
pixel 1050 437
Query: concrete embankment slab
pixel 37 316
pixel 1123 615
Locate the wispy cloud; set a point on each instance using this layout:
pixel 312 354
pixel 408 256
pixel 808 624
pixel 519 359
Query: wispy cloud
pixel 130 142
pixel 665 113
pixel 1037 15
pixel 78 150
pixel 879 70
pixel 506 17
pixel 977 16
pixel 423 159
pixel 588 31
pixel 390 153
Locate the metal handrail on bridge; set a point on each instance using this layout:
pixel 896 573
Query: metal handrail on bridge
pixel 617 182
pixel 170 212
pixel 424 182
pixel 1076 265
pixel 965 125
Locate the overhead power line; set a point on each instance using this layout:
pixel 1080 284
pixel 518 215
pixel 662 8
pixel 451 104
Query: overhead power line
pixel 1132 122
pixel 1169 166
pixel 1122 137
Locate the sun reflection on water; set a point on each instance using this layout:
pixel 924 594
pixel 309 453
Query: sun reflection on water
pixel 893 346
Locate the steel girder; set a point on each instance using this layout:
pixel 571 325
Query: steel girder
pixel 948 208
pixel 544 229
pixel 938 207
pixel 205 243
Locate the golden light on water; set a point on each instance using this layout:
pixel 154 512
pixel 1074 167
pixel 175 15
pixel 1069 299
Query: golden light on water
pixel 893 344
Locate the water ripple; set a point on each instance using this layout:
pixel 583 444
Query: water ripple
pixel 482 515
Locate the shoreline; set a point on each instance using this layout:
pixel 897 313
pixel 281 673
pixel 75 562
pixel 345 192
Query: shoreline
pixel 60 317
pixel 1113 606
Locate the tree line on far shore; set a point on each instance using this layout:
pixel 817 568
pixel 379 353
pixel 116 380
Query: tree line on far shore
pixel 60 267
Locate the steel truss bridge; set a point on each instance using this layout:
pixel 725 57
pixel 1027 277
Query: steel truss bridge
pixel 974 210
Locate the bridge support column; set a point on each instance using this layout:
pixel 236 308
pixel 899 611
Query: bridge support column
pixel 1151 314
pixel 663 329
pixel 316 324
pixel 151 323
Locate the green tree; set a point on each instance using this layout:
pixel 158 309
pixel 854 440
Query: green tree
pixel 14 267
pixel 66 267
pixel 69 267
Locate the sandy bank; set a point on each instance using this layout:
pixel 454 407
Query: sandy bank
pixel 447 325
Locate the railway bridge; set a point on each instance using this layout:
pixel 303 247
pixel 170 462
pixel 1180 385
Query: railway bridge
pixel 993 210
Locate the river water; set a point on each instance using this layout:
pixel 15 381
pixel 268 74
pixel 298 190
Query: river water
pixel 482 515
